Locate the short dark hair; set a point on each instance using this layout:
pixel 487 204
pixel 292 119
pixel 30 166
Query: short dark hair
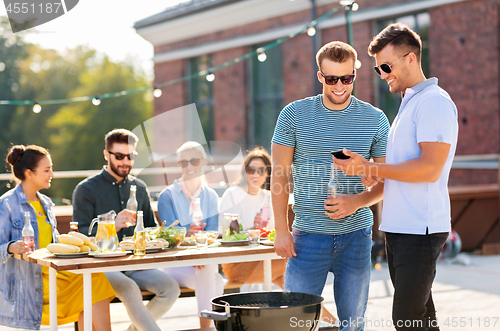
pixel 398 35
pixel 257 153
pixel 22 158
pixel 336 51
pixel 121 136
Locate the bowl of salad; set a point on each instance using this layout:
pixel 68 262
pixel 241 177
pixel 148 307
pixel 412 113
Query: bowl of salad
pixel 174 236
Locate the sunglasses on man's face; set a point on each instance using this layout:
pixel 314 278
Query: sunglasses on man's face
pixel 121 156
pixel 332 80
pixel 194 161
pixel 387 68
pixel 252 170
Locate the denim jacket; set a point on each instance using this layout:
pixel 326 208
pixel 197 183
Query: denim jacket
pixel 21 283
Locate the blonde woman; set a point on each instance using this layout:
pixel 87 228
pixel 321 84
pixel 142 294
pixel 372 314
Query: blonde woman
pixel 176 202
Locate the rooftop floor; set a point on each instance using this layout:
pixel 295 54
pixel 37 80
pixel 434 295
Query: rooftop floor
pixel 462 294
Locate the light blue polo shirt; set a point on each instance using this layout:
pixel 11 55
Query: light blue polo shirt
pixel 315 131
pixel 427 114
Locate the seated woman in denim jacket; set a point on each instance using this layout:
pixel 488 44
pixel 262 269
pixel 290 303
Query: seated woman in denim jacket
pixel 24 286
pixel 176 202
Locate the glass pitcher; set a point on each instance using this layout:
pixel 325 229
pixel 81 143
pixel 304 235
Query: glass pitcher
pixel 105 237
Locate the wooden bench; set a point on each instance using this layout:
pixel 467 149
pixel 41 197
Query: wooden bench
pixel 187 292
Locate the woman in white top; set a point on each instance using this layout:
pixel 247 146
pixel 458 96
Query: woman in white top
pixel 251 199
pixel 176 203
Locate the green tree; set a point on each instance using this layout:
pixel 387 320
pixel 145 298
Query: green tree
pixel 73 132
pixel 13 51
pixel 78 129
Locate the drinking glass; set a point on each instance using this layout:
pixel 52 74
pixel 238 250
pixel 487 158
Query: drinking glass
pixel 254 237
pixel 201 240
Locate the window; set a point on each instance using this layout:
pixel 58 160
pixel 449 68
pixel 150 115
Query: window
pixel 200 93
pixel 266 93
pixel 419 23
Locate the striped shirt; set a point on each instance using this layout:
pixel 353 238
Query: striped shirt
pixel 315 131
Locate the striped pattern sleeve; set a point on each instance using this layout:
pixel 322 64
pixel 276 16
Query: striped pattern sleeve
pixel 380 139
pixel 284 132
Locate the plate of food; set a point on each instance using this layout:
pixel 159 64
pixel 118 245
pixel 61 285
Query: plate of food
pixel 235 239
pixel 266 242
pixel 189 241
pixel 71 255
pixel 152 246
pixel 235 242
pixel 106 253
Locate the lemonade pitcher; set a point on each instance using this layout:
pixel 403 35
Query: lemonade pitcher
pixel 105 237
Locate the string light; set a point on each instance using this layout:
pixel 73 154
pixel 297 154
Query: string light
pixel 349 4
pixel 157 92
pixel 36 107
pixel 209 73
pixel 261 54
pixel 311 31
pixel 210 77
pixel 357 64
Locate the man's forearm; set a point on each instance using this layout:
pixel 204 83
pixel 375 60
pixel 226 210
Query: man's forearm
pixel 279 198
pixel 371 197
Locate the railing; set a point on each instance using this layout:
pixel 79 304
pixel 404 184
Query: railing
pixel 481 161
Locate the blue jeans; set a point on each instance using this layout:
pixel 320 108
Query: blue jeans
pixel 128 286
pixel 348 257
pixel 412 266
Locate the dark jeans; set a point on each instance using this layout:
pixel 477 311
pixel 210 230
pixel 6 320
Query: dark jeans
pixel 412 266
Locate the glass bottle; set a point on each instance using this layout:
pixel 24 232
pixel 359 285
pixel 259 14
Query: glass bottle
pixel 234 227
pixel 197 215
pixel 132 201
pixel 73 226
pixel 28 232
pixel 333 184
pixel 139 235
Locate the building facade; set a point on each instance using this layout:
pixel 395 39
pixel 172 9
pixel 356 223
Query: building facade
pixel 461 48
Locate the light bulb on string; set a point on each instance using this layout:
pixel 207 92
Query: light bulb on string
pixel 96 101
pixel 261 54
pixel 354 6
pixel 157 92
pixel 357 64
pixel 37 108
pixel 311 31
pixel 210 77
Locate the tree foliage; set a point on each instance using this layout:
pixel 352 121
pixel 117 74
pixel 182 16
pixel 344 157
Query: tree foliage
pixel 73 132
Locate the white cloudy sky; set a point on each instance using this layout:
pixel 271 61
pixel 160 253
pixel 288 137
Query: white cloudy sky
pixel 104 25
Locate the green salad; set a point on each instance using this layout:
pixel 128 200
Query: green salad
pixel 235 236
pixel 174 236
pixel 271 235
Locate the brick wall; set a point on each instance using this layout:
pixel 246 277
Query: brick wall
pixel 230 97
pixel 464 55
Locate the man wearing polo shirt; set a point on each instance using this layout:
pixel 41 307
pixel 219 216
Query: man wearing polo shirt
pixel 108 191
pixel 329 234
pixel 420 150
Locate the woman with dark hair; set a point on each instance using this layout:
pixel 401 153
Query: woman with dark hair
pixel 24 286
pixel 251 200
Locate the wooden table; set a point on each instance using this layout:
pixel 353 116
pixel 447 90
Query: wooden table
pixel 178 257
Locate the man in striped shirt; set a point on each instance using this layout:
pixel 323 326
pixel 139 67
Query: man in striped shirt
pixel 329 234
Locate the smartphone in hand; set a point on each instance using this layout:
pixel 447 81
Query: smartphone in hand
pixel 340 155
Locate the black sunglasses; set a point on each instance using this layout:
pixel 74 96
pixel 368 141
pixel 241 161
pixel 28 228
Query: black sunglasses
pixel 121 156
pixel 332 80
pixel 194 161
pixel 387 68
pixel 252 170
